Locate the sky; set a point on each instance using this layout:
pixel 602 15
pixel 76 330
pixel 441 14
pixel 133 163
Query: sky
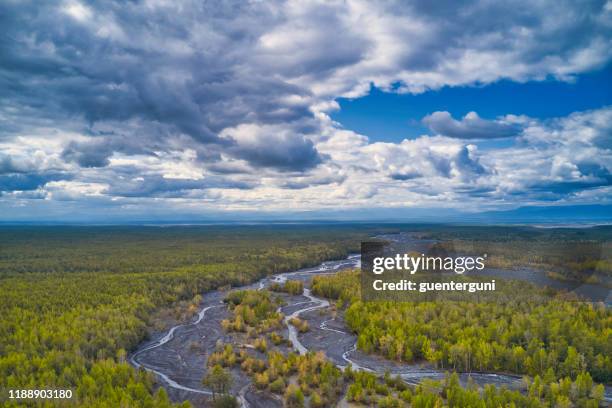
pixel 392 117
pixel 166 110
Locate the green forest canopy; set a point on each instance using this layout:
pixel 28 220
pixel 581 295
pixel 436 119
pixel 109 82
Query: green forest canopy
pixel 75 300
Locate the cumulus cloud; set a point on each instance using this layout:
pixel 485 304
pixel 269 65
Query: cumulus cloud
pixel 558 158
pixel 228 101
pixel 430 157
pixel 471 126
pixel 9 165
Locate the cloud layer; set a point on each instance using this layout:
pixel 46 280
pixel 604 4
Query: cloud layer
pixel 225 105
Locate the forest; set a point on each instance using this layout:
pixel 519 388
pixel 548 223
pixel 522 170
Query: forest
pixel 532 333
pixel 76 300
pixel 391 392
pixel 311 380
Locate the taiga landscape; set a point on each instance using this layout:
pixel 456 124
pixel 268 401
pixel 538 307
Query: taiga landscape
pixel 272 316
pixel 305 203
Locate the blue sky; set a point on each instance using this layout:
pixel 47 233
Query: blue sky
pixel 392 117
pixel 157 110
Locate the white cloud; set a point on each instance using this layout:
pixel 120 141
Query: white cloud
pixel 73 190
pixel 78 11
pixel 227 106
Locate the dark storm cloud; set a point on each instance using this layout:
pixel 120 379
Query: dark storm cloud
pixel 470 127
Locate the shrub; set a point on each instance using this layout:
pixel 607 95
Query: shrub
pixel 294 398
pixel 277 386
pixel 261 380
pixel 301 325
pixel 316 401
pixel 261 344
